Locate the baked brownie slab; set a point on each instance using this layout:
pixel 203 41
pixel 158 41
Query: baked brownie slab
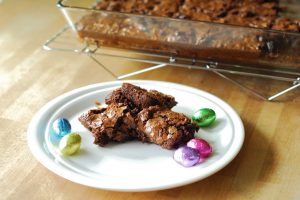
pixel 191 40
pixel 252 13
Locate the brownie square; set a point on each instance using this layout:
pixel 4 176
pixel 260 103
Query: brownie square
pixel 164 127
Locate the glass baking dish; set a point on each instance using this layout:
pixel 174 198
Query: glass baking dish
pixel 229 44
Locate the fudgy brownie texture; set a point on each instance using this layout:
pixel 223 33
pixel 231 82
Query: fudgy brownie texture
pixel 135 113
pixel 138 98
pixel 114 123
pixel 164 127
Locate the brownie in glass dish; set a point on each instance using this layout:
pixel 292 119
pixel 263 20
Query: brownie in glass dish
pixel 246 32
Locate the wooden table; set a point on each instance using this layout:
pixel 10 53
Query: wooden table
pixel 266 168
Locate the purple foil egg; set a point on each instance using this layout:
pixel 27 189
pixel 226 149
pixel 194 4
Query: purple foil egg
pixel 202 146
pixel 186 156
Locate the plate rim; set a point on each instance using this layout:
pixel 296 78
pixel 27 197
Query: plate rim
pixel 43 158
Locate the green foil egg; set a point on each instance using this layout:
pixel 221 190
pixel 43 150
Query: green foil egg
pixel 70 144
pixel 204 117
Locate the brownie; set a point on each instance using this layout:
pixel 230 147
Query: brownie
pixel 252 13
pixel 164 127
pixel 195 40
pixel 283 23
pixel 113 123
pixel 135 113
pixel 138 98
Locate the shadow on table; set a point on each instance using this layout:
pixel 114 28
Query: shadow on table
pixel 241 178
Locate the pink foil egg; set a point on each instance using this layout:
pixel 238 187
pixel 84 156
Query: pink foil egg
pixel 202 146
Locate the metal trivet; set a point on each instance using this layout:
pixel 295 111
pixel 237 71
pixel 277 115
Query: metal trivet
pixel 66 40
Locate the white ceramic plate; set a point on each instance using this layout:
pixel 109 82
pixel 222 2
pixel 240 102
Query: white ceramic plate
pixel 133 166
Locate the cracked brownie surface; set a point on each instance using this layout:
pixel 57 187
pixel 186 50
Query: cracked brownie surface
pixel 114 123
pixel 164 127
pixel 252 13
pixel 138 98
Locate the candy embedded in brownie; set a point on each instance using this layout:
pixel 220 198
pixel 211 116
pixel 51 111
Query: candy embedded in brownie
pixel 164 127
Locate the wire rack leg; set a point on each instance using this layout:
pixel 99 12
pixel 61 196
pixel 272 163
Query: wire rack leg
pixel 283 91
pixel 103 66
pixel 241 86
pixel 142 71
pixel 271 98
pixel 129 74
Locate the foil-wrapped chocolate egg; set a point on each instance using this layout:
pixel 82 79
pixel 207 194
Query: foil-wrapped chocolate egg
pixel 70 144
pixel 202 146
pixel 204 117
pixel 61 127
pixel 186 156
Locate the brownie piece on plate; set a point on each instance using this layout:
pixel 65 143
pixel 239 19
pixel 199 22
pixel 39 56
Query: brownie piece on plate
pixel 114 123
pixel 135 113
pixel 164 127
pixel 138 98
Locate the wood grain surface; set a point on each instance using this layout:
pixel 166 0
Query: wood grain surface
pixel 266 168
